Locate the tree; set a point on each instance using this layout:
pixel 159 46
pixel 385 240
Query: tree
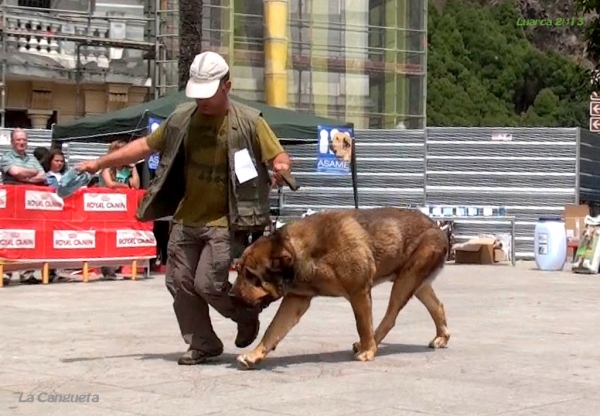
pixel 592 27
pixel 190 37
pixel 483 71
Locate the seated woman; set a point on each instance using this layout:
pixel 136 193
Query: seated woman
pixel 54 165
pixel 123 177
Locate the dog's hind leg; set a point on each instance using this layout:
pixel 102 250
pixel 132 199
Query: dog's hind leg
pixel 436 309
pixel 363 313
pixel 288 315
pixel 423 265
pixel 402 290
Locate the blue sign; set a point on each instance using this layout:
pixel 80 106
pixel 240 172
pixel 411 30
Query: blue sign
pixel 334 153
pixel 154 123
pixel 153 159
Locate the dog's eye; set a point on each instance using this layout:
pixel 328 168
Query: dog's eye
pixel 253 279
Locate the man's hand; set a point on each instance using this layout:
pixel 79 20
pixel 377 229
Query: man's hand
pixel 29 173
pixel 277 178
pixel 90 166
pixel 281 163
pixel 22 174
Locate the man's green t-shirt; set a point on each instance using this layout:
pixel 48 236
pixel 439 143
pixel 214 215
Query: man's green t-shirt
pixel 206 170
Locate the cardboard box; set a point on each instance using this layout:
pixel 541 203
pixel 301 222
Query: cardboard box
pixel 574 217
pixel 499 255
pixel 475 251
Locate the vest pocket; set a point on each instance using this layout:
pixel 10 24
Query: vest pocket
pixel 248 191
pixel 247 218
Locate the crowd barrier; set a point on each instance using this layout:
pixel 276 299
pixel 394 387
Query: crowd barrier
pixel 94 227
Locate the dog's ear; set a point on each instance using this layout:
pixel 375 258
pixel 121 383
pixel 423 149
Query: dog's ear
pixel 251 271
pixel 288 272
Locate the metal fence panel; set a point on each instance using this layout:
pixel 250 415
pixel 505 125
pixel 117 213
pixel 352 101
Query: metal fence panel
pixel 390 166
pixel 589 167
pixel 529 171
pixel 76 152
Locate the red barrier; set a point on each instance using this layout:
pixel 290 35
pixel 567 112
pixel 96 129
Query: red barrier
pixel 36 226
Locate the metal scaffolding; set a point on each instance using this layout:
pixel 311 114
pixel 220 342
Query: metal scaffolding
pixel 160 44
pixel 167 47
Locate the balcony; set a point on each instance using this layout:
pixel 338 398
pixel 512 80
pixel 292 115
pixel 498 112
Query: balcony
pixel 54 35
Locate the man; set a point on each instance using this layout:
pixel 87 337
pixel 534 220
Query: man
pixel 19 168
pixel 212 178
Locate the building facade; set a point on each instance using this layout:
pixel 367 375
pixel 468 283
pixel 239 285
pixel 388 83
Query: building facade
pixel 362 61
pixel 64 59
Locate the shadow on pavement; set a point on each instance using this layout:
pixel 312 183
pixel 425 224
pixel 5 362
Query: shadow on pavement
pixel 272 361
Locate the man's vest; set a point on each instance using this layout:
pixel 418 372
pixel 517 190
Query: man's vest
pixel 248 202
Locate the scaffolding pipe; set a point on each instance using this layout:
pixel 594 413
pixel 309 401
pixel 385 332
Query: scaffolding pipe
pixel 157 72
pixel 276 52
pixel 65 14
pixel 4 69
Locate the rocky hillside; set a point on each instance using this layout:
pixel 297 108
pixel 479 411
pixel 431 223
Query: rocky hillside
pixel 484 69
pixel 567 40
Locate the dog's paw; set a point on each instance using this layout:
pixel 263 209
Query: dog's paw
pixel 356 347
pixel 367 355
pixel 440 341
pixel 245 362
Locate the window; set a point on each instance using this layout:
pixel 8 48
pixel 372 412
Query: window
pixel 39 4
pixel 248 25
pixel 17 118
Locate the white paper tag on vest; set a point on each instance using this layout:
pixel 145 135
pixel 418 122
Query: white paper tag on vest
pixel 244 168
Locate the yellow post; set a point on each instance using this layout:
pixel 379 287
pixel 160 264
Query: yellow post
pixel 46 273
pixel 86 272
pixel 1 274
pixel 276 52
pixel 133 270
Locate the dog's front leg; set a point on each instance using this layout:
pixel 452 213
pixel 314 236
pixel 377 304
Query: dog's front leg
pixel 288 315
pixel 363 312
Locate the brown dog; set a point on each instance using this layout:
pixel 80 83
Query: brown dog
pixel 341 146
pixel 344 254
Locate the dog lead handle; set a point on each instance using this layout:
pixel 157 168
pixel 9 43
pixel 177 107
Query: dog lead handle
pixel 289 180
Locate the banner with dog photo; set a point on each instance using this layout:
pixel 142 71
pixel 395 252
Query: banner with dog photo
pixel 334 153
pixel 153 159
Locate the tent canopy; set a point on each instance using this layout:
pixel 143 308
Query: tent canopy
pixel 286 124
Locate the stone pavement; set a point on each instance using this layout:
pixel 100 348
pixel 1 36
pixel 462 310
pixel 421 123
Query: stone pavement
pixel 523 343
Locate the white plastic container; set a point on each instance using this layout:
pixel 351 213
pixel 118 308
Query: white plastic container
pixel 550 244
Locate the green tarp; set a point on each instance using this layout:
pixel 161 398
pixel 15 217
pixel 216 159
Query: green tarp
pixel 286 124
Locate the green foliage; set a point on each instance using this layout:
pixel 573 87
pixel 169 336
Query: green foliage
pixel 592 29
pixel 482 71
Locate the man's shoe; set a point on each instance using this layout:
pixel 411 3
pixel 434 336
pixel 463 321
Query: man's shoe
pixel 193 357
pixel 247 333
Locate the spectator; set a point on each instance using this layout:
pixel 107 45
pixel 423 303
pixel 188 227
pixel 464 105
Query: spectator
pixel 19 168
pixel 115 178
pixel 55 167
pixel 41 153
pixel 122 177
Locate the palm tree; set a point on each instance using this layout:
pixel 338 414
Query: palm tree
pixel 190 37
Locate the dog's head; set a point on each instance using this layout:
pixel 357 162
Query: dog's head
pixel 341 145
pixel 265 271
